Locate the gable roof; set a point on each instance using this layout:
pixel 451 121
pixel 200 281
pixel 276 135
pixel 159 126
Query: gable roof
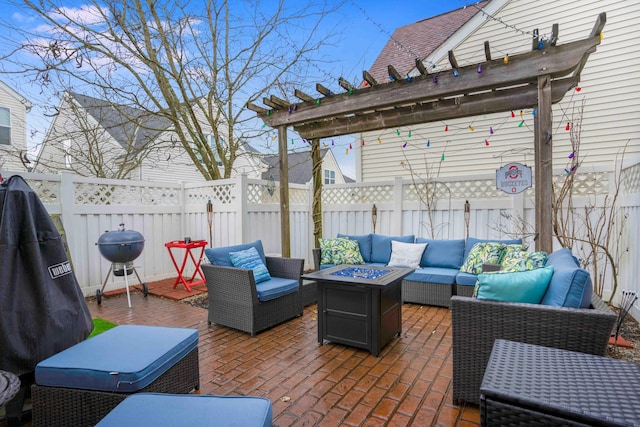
pixel 418 40
pixel 125 124
pixel 24 101
pixel 300 166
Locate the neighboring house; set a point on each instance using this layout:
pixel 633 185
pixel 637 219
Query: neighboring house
pixel 13 129
pixel 301 165
pixel 94 137
pixel 609 89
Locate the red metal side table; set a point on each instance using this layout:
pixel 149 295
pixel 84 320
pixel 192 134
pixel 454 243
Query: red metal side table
pixel 188 247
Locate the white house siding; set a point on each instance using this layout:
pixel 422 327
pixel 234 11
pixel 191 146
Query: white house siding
pixel 610 89
pixel 329 163
pixel 10 154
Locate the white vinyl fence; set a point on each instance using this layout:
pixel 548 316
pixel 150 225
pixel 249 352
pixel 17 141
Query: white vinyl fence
pixel 243 211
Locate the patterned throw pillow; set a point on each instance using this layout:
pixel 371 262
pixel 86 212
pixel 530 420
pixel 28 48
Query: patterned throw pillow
pixel 249 258
pixel 481 253
pixel 327 249
pixel 513 261
pixel 346 251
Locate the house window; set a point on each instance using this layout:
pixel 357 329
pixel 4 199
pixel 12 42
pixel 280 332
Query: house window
pixel 329 176
pixel 5 126
pixel 67 153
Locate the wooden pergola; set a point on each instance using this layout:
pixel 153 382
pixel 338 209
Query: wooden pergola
pixel 538 78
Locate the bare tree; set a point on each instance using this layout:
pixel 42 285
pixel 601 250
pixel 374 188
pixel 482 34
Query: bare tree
pixel 195 65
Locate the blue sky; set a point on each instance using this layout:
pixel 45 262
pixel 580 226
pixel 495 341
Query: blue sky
pixel 365 26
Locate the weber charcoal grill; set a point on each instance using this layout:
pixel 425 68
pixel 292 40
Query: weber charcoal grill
pixel 121 247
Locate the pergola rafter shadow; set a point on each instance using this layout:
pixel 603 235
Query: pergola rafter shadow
pixel 538 78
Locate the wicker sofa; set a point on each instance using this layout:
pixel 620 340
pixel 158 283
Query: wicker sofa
pixel 439 276
pixel 235 300
pixel 569 317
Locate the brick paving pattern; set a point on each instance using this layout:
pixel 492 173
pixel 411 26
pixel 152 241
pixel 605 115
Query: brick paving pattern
pixel 308 384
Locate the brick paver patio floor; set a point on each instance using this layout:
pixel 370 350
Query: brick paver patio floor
pixel 309 384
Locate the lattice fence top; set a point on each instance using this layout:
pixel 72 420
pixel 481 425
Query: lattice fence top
pixel 87 193
pixel 631 179
pixel 221 194
pixel 355 194
pixel 47 190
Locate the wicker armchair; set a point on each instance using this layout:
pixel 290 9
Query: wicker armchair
pixel 233 299
pixel 476 324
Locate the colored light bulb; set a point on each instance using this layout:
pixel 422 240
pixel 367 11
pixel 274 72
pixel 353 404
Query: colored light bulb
pixel 268 112
pixel 521 124
pixel 486 142
pixel 346 151
pixel 435 79
pixel 379 140
pixel 409 134
pixel 446 128
pixel 521 113
pixel 404 145
pixel 513 114
pixel 567 171
pixel 572 155
pixel 455 73
pixel 350 91
pixel 479 69
pixel 442 158
pixel 318 101
pixel 471 128
pixel 409 78
pixel 363 142
pixel 332 142
pixel 292 141
pixel 398 132
pixel 567 127
pixel 350 147
pixel 428 143
pixel 506 59
pixel 534 112
pixel 540 44
pixel 578 89
pixel 490 131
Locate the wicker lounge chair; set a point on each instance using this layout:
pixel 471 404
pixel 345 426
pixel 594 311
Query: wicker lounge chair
pixel 477 324
pixel 233 298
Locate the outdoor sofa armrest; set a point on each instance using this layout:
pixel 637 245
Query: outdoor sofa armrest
pixel 230 283
pixel 476 324
pixel 285 268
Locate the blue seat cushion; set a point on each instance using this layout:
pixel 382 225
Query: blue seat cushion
pixel 570 285
pixel 466 279
pixel 125 359
pixel 275 288
pixel 220 256
pixel 164 410
pixel 364 242
pixel 444 276
pixel 442 253
pixel 381 246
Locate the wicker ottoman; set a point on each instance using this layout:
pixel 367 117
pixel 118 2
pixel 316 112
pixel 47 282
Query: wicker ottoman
pixel 165 410
pixel 80 385
pixel 526 384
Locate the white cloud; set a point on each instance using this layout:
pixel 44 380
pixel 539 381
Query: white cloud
pixel 83 15
pixel 19 17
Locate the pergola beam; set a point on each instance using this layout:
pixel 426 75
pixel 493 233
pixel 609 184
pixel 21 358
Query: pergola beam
pixel 466 106
pixel 555 62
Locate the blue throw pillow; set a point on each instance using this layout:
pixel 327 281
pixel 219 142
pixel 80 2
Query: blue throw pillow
pixel 220 256
pixel 250 258
pixel 442 253
pixel 523 286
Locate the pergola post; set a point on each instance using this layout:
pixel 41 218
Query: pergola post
pixel 544 167
pixel 283 162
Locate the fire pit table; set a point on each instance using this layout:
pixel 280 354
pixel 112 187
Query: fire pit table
pixel 359 306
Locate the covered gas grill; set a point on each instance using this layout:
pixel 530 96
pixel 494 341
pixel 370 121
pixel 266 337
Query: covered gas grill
pixel 121 247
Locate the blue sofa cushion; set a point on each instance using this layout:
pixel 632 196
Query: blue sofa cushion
pixel 466 279
pixel 220 256
pixel 381 246
pixel 570 285
pixel 155 409
pixel 250 259
pixel 472 241
pixel 138 354
pixel 364 242
pixel 275 288
pixel 444 276
pixel 522 286
pixel 442 253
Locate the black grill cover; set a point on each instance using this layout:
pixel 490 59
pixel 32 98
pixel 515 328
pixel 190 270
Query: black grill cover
pixel 42 307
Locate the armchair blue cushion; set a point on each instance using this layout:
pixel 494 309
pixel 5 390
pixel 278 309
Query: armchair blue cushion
pixel 570 285
pixel 220 256
pixel 381 246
